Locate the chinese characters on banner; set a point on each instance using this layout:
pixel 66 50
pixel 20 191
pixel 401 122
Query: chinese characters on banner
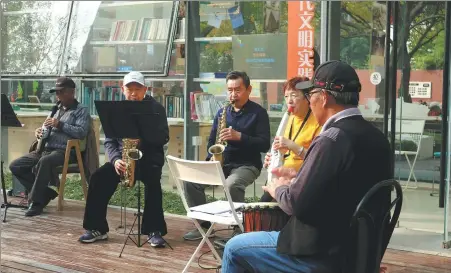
pixel 300 38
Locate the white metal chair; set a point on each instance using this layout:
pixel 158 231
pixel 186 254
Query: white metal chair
pixel 206 173
pixel 410 130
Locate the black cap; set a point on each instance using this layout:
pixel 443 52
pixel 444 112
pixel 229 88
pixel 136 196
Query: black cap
pixel 335 76
pixel 61 83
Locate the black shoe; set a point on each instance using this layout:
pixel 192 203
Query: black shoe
pixel 50 195
pixel 34 209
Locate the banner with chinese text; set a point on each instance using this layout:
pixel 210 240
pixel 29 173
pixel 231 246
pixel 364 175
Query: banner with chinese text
pixel 300 40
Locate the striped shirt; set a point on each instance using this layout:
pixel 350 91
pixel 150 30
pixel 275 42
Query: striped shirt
pixel 74 122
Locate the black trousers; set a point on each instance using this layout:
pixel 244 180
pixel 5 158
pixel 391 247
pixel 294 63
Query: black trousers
pixel 36 182
pixel 103 184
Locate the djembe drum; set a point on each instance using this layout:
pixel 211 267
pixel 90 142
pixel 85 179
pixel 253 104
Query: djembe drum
pixel 263 216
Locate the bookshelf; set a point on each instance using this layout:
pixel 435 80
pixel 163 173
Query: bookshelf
pixel 131 35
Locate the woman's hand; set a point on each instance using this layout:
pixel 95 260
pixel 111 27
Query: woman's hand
pixel 267 160
pixel 283 144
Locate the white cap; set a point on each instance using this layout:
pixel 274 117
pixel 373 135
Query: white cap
pixel 134 76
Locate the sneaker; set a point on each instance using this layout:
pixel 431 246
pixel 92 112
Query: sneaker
pixel 91 236
pixel 195 235
pixel 156 240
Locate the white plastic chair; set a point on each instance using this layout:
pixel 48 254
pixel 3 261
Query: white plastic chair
pixel 410 130
pixel 206 173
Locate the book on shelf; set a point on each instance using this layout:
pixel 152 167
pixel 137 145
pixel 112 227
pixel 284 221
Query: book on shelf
pixel 174 104
pixel 144 29
pixel 204 106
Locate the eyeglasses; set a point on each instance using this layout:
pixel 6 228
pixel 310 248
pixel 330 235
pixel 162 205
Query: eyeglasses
pixel 308 95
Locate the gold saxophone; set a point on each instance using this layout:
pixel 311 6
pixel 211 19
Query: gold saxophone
pixel 217 149
pixel 130 154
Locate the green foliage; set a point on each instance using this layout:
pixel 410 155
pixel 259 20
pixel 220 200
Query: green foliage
pixel 354 51
pixel 420 29
pixel 405 145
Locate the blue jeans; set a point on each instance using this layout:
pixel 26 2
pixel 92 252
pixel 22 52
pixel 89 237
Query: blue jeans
pixel 256 252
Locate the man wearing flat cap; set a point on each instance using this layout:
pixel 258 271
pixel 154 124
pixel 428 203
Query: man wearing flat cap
pixel 35 170
pixel 344 161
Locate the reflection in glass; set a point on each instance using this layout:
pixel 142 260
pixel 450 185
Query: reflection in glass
pixel 126 36
pixel 83 15
pixel 168 93
pixel 29 95
pixel 33 36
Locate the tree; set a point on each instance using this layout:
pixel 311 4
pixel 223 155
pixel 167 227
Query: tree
pixel 421 23
pixel 32 42
pixel 420 27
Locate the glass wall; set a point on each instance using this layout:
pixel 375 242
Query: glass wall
pixel 95 43
pixel 417 138
pixel 420 63
pixel 33 36
pixel 254 37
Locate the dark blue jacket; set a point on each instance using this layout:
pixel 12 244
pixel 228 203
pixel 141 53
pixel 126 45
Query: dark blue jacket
pixel 153 152
pixel 252 121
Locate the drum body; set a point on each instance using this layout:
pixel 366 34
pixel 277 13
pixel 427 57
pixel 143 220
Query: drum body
pixel 263 217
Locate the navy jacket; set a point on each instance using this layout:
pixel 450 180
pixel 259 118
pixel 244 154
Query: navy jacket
pixel 153 152
pixel 253 123
pixel 348 158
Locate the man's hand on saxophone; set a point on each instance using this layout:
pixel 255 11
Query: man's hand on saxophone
pixel 227 134
pixel 38 133
pixel 52 122
pixel 119 166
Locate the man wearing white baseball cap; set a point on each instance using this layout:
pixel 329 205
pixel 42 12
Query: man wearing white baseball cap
pixel 104 181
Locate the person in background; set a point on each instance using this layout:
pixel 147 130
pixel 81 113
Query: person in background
pixel 104 181
pixel 247 134
pixel 35 171
pixel 301 129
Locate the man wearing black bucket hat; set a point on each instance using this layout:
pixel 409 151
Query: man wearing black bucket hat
pixel 348 157
pixel 70 120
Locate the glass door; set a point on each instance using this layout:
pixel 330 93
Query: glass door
pixel 417 34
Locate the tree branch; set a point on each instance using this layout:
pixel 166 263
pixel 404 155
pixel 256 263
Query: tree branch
pixel 358 28
pixel 356 17
pixel 416 10
pixel 426 19
pixel 52 44
pixel 420 45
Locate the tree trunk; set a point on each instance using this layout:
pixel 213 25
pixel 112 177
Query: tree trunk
pixel 405 74
pixel 403 53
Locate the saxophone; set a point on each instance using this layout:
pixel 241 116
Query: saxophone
pixel 217 149
pixel 130 154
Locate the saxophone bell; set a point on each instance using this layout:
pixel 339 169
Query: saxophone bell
pixel 134 154
pixel 216 152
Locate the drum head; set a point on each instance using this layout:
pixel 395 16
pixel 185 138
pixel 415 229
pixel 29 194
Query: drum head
pixel 261 205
